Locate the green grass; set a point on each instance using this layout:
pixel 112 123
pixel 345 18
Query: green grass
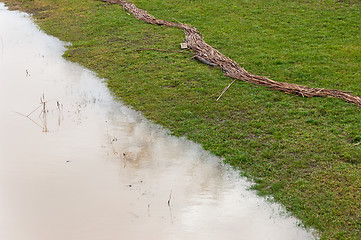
pixel 302 151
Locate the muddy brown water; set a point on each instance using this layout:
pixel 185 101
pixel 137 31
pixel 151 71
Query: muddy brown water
pixel 75 164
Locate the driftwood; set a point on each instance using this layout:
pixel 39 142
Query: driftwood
pixel 212 56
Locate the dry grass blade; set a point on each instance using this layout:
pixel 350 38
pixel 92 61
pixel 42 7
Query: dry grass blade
pixel 225 89
pixel 43 115
pixel 33 111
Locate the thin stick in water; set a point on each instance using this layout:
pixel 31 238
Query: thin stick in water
pixel 170 197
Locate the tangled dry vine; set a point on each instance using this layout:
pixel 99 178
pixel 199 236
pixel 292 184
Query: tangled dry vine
pixel 230 68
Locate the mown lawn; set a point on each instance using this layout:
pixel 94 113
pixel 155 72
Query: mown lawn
pixel 305 152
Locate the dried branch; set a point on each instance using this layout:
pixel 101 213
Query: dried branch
pixel 230 68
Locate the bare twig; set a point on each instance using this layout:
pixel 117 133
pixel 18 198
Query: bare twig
pixel 225 89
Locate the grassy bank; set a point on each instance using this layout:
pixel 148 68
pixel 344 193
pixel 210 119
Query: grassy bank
pixel 304 152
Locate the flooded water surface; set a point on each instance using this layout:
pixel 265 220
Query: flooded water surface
pixel 74 164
